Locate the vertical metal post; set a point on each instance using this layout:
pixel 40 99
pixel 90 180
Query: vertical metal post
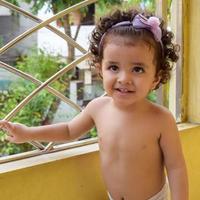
pixel 175 87
pixel 161 11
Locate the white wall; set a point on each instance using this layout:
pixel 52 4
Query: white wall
pixel 53 43
pixel 4 11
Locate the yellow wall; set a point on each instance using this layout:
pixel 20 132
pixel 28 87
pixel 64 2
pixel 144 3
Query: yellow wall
pixel 79 177
pixel 191 138
pixel 191 146
pixel 75 178
pixel 192 58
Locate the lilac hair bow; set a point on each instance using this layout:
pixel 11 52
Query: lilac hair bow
pixel 151 24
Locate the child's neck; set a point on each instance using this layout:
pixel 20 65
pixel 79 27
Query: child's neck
pixel 136 107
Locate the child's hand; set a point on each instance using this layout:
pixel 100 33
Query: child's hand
pixel 16 133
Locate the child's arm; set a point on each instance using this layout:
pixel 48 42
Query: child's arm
pixel 174 159
pixel 19 133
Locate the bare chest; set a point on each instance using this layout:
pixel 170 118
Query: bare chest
pixel 127 136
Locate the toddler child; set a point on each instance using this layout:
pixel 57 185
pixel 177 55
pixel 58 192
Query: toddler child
pixel 133 53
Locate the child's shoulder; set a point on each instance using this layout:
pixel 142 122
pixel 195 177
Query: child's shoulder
pixel 99 102
pixel 162 118
pixel 161 112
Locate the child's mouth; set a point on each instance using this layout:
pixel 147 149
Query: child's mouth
pixel 124 90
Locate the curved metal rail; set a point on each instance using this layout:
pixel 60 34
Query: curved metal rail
pixel 43 85
pixel 38 82
pixel 43 24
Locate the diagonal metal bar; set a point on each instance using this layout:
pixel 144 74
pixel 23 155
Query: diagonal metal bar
pixel 38 82
pixel 58 74
pixel 37 145
pixel 45 23
pixel 36 19
pixel 43 85
pixel 50 146
pixel 57 148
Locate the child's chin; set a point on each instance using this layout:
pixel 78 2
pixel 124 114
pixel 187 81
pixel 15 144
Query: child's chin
pixel 124 101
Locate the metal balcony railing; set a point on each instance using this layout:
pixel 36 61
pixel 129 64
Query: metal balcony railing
pixel 43 85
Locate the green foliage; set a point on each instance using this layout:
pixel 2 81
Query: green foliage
pixel 41 108
pixel 59 5
pixel 1 41
pixel 40 64
pixel 108 3
pixel 55 6
pixel 104 7
pixel 149 5
pixel 93 132
pixel 14 2
pixel 152 96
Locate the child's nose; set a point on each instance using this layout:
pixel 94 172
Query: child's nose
pixel 125 78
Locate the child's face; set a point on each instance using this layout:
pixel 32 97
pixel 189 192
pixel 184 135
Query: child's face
pixel 128 70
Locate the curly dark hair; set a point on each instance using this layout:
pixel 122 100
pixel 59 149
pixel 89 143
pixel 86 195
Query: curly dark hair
pixel 165 54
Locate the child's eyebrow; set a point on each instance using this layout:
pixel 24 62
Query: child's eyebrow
pixel 132 63
pixel 112 62
pixel 139 63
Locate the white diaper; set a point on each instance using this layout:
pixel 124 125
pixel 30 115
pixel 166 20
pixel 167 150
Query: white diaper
pixel 161 195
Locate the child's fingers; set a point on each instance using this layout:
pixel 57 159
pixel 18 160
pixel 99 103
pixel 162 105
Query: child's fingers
pixel 9 126
pixel 2 123
pixel 6 126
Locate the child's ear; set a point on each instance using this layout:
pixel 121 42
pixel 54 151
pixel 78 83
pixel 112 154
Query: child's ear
pixel 156 81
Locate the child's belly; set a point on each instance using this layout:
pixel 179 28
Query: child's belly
pixel 135 172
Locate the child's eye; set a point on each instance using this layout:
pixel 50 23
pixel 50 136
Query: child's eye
pixel 113 68
pixel 138 69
